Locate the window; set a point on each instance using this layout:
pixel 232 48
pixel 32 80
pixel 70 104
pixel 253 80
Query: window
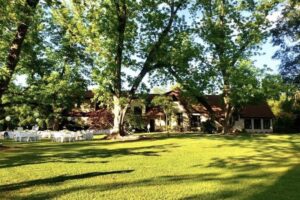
pixel 195 121
pixel 179 119
pixel 137 110
pixel 267 123
pixel 247 124
pixel 236 117
pixel 257 124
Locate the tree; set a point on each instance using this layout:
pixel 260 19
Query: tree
pixel 166 104
pixel 122 35
pixel 215 55
pixel 286 36
pixel 15 47
pixel 55 72
pixel 232 36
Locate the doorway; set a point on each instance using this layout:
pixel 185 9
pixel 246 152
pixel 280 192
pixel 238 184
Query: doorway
pixel 152 125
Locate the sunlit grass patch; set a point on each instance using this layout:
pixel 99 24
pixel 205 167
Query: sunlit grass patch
pixel 185 166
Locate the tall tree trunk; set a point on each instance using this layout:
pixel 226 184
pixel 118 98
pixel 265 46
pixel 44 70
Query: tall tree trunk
pixel 118 110
pixel 119 113
pixel 229 109
pixel 224 65
pixel 16 46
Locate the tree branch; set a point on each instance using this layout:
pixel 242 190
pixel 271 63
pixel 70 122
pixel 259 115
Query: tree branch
pixel 152 55
pixel 16 47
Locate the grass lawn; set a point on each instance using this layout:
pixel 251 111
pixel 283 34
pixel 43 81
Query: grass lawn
pixel 185 166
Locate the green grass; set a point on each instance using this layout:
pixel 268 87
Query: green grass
pixel 186 166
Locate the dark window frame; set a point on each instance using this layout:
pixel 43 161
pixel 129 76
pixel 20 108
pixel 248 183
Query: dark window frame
pixel 267 123
pixel 248 125
pixel 179 119
pixel 257 123
pixel 195 121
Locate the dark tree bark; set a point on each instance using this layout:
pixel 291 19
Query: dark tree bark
pixel 121 11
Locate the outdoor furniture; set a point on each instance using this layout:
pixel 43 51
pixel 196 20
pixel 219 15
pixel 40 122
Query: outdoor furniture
pixel 58 137
pixel 45 134
pixel 11 134
pixel 87 135
pixel 70 136
pixel 26 137
pixel 64 136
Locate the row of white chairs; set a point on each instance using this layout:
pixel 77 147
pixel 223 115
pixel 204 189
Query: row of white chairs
pixel 58 136
pixel 27 136
pixel 66 136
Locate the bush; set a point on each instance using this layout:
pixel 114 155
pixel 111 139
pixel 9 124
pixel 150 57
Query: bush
pixel 209 126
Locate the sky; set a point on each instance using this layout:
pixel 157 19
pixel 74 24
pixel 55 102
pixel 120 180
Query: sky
pixel 268 50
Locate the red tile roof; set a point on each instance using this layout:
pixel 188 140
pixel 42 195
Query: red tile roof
pixel 261 110
pixel 155 112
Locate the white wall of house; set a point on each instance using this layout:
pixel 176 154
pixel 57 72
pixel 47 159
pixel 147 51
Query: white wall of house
pixel 204 118
pixel 160 123
pixel 240 125
pixel 178 107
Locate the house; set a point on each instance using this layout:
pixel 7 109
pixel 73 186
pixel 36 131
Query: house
pixel 189 116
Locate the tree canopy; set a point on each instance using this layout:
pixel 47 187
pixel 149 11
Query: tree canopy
pixel 62 47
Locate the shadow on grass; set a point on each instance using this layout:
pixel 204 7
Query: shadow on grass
pixel 73 154
pixel 57 179
pixel 184 180
pixel 269 153
pixel 286 187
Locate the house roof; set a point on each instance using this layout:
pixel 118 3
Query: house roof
pixel 155 111
pixel 258 110
pixel 261 110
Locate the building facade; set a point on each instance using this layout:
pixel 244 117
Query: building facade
pixel 187 116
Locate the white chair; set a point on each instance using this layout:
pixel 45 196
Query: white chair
pixel 11 134
pixel 45 134
pixel 58 137
pixel 88 135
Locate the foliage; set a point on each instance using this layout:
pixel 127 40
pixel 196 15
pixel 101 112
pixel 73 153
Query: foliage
pixel 100 119
pixel 136 120
pixel 286 36
pixel 166 104
pixel 121 37
pixel 228 33
pixel 287 112
pixel 55 75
